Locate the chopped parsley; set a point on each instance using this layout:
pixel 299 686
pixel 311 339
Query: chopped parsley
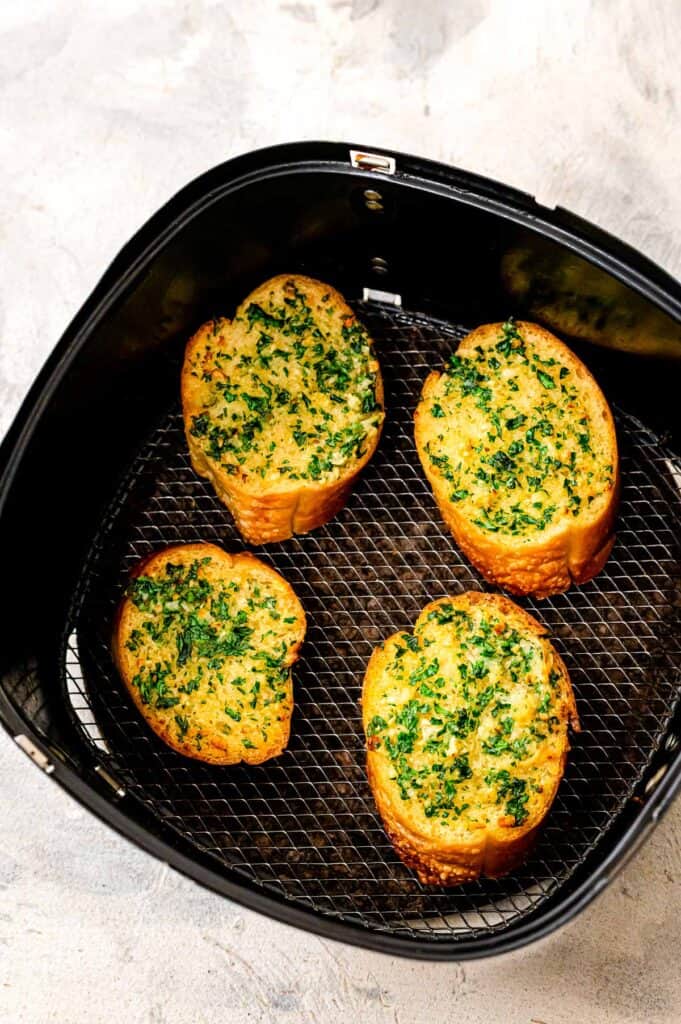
pixel 513 792
pixel 301 373
pixel 182 723
pixel 516 458
pixel 446 723
pixel 193 637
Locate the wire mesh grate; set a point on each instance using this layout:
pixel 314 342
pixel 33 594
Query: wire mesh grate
pixel 304 826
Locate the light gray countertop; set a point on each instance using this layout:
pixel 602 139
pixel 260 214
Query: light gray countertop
pixel 105 111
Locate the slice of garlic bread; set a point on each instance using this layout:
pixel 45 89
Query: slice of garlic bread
pixel 466 722
pixel 283 407
pixel 204 642
pixel 519 446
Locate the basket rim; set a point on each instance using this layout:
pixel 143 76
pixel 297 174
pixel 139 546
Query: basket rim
pixel 594 244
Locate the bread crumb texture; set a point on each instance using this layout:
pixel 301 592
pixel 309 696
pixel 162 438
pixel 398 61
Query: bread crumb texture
pixel 519 445
pixel 289 387
pixel 466 722
pixel 205 642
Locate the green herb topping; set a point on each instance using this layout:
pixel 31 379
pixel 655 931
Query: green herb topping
pixel 295 398
pixel 515 439
pixel 204 647
pixel 468 704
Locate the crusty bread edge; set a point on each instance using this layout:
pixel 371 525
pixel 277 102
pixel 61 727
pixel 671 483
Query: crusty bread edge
pixel 493 852
pixel 264 517
pixel 200 550
pixel 571 553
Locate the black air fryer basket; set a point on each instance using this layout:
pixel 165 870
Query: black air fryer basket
pixel 95 474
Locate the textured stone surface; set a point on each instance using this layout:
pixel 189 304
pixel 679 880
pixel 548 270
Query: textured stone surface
pixel 107 109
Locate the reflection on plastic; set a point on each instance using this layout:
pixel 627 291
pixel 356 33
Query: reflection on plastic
pixel 575 298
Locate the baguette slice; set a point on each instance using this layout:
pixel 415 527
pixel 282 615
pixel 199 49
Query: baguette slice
pixel 204 642
pixel 466 722
pixel 283 407
pixel 519 446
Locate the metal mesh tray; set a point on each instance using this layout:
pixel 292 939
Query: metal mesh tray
pixel 304 827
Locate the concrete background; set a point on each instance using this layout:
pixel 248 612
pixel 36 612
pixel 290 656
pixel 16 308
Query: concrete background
pixel 108 108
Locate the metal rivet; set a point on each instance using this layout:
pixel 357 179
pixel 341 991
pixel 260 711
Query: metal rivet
pixel 659 774
pixel 371 204
pixel 117 787
pixel 379 265
pixel 35 753
pixel 372 161
pixel 371 193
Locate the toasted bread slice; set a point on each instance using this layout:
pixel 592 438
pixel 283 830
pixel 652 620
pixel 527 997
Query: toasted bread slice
pixel 519 446
pixel 466 722
pixel 204 641
pixel 283 407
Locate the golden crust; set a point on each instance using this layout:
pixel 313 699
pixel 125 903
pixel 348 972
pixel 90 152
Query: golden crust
pixel 451 855
pixel 216 747
pixel 570 552
pixel 264 514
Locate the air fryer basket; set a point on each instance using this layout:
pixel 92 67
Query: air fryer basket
pixel 96 475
